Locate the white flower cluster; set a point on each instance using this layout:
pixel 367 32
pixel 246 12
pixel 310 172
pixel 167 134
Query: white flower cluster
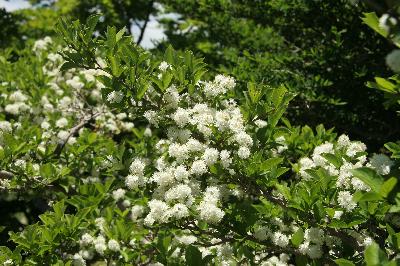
pixel 190 151
pixel 381 163
pixel 314 239
pixel 69 99
pixel 278 232
pixel 42 44
pixel 352 156
pixel 221 85
pixel 282 260
pixel 90 245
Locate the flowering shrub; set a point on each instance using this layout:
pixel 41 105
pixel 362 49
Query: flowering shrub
pixel 149 161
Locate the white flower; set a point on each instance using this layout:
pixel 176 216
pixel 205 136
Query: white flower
pixel 8 262
pixel 86 240
pixel 100 222
pixel 118 194
pixel 337 215
pixel 260 123
pixel 62 122
pixel 354 148
pixel 199 167
pixel 63 135
pixel 78 260
pixel 210 156
pixel 152 117
pixel 136 212
pixel 164 66
pixel 132 181
pixel 359 185
pixel 179 192
pixel 381 163
pixel 343 141
pixel 345 200
pixel 147 132
pixel 243 152
pixel 385 21
pixel 194 145
pixel 115 97
pixel 12 108
pixel 41 44
pixel 100 244
pixel 178 151
pixel 75 83
pixel 186 239
pixel 113 245
pixel 225 158
pixel 45 125
pixel 243 139
pixel 181 173
pixel 158 212
pixel 367 241
pixel 17 96
pixel 305 164
pixel 209 212
pixel 172 97
pixel 137 167
pixel 314 235
pixel 225 81
pixel 280 239
pixel 5 126
pixel 181 117
pixel 179 211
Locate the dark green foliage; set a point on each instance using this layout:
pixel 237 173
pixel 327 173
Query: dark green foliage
pixel 320 50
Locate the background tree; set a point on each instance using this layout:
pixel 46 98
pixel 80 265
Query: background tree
pixel 319 49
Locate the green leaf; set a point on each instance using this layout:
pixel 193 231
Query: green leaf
pixel 388 186
pixel 68 65
pixel 169 55
pixel 92 21
pixel 373 255
pixel 370 196
pixel 270 163
pixel 337 162
pixel 254 92
pixel 111 37
pixel 59 209
pixel 369 177
pixel 344 262
pixel 193 256
pixel 385 85
pixel 297 238
pixel 120 34
pixel 372 20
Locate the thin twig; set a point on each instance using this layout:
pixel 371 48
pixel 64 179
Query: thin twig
pixel 72 132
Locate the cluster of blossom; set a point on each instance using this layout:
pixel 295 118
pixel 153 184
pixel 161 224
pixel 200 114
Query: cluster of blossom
pixel 314 239
pixel 282 260
pixel 352 156
pixel 91 245
pixel 191 149
pixel 278 232
pixel 71 97
pixel 42 44
pixel 387 23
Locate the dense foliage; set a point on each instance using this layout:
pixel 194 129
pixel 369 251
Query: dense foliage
pixel 114 155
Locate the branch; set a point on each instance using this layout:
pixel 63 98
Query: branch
pixel 142 30
pixel 72 132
